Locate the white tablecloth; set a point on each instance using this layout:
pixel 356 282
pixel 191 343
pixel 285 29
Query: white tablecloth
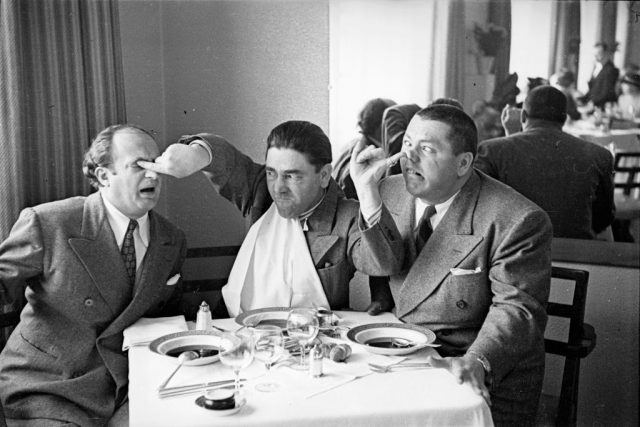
pixel 408 398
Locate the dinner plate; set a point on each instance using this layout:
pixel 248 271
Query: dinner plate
pixel 276 316
pixel 205 343
pixel 391 338
pixel 222 412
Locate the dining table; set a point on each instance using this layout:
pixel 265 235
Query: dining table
pixel 347 394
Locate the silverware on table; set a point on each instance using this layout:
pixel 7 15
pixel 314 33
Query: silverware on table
pixel 382 369
pixel 195 388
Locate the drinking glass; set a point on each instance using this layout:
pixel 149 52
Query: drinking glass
pixel 236 352
pixel 268 348
pixel 302 326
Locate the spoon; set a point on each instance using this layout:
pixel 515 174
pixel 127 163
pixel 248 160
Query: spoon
pixel 184 357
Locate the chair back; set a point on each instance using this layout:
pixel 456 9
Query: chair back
pixel 580 342
pixel 627 162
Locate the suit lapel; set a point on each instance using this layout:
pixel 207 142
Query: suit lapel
pixel 98 252
pixel 450 243
pixel 401 206
pixel 319 235
pixel 158 262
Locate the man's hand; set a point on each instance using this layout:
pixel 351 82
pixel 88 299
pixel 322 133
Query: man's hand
pixel 179 160
pixel 511 119
pixel 368 165
pixel 466 369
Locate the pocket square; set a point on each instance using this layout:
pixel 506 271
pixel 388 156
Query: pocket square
pixel 173 280
pixel 464 271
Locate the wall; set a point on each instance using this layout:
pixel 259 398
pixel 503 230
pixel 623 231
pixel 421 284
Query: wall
pixel 235 68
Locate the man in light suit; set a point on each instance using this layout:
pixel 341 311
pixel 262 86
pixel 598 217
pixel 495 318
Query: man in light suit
pixel 64 363
pixel 481 279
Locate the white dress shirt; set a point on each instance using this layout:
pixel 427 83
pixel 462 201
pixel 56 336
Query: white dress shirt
pixel 441 209
pixel 119 223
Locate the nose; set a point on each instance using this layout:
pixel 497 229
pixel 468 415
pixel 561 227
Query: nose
pixel 411 152
pixel 150 174
pixel 280 185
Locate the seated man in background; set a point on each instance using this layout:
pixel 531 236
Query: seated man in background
pixel 604 77
pixel 305 246
pixel 478 261
pixel 92 266
pixel 629 99
pixel 571 179
pixel 369 125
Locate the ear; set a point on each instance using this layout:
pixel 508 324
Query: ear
pixel 465 163
pixel 102 175
pixel 325 175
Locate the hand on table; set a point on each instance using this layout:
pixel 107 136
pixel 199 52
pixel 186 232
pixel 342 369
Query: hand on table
pixel 466 369
pixel 178 160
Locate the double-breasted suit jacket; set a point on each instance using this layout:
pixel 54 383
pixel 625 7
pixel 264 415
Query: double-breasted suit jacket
pixel 64 361
pixel 481 282
pixel 336 243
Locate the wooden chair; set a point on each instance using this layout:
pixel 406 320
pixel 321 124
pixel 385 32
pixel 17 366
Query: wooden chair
pixel 627 162
pixel 581 341
pixel 627 169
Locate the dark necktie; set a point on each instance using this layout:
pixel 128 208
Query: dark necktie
pixel 424 227
pixel 128 252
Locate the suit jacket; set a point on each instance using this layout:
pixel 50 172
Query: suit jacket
pixel 337 245
pixel 571 179
pixel 64 361
pixel 497 310
pixel 602 87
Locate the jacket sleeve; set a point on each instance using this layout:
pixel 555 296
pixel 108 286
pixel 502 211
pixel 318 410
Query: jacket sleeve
pixel 519 275
pixel 603 207
pixel 21 255
pixel 236 177
pixel 377 250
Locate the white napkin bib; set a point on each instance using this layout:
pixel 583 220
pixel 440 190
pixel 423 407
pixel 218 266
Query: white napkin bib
pixel 273 268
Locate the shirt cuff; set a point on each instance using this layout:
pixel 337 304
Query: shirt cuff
pixel 372 218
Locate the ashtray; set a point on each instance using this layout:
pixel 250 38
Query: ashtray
pixel 221 402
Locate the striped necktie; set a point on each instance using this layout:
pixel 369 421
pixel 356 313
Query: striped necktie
pixel 128 252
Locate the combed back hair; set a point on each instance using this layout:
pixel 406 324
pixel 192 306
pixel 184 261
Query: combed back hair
pixel 463 134
pixel 546 103
pixel 99 153
pixel 370 117
pixel 447 101
pixel 303 137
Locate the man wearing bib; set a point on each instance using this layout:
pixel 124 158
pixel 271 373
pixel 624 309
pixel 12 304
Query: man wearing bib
pixel 304 248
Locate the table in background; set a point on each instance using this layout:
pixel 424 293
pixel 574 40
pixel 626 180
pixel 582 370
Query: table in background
pixel 411 397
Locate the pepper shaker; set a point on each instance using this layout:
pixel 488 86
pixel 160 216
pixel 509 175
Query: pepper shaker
pixel 203 318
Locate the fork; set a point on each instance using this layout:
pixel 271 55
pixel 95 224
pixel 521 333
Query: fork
pixel 384 369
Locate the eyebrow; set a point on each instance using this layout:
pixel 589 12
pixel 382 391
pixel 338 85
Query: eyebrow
pixel 288 171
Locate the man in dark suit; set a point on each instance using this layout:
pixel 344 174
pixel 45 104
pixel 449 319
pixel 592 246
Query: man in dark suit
pixel 602 85
pixel 92 266
pixel 297 180
pixel 477 265
pixel 571 179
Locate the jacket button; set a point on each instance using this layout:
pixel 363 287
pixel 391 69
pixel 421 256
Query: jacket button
pixel 461 304
pixel 88 302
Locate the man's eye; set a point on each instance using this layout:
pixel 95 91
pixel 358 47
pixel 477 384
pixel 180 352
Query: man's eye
pixel 427 149
pixel 271 174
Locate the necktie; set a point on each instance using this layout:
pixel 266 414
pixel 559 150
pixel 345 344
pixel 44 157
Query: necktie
pixel 128 252
pixel 424 227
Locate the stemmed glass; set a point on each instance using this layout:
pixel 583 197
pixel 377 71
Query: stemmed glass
pixel 236 352
pixel 302 326
pixel 268 348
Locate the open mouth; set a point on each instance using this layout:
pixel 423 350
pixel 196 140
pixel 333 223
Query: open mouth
pixel 411 171
pixel 149 190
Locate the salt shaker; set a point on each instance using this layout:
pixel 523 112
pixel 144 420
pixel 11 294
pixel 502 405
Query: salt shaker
pixel 315 361
pixel 203 319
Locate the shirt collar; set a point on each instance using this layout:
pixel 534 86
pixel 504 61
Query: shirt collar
pixel 441 209
pixel 304 216
pixel 119 223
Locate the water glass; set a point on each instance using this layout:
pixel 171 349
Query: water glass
pixel 302 326
pixel 269 347
pixel 236 352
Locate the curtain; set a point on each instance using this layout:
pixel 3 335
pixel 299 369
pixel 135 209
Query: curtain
pixel 64 56
pixel 455 70
pixel 607 23
pixel 565 36
pixel 443 58
pixel 500 15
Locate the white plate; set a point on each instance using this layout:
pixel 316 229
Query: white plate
pixel 272 316
pixel 222 412
pixel 172 345
pixel 377 337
